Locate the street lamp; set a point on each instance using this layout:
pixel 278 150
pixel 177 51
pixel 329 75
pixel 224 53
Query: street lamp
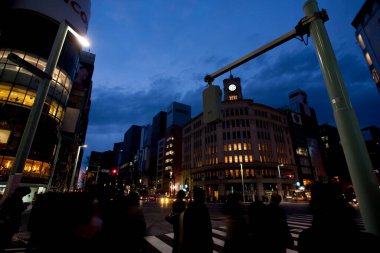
pixel 17 169
pixel 75 167
pixel 242 180
pixel 279 184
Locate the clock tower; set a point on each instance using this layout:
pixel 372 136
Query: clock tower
pixel 232 89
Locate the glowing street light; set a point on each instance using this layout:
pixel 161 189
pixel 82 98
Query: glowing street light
pixel 242 180
pixel 23 150
pixel 73 175
pixel 279 184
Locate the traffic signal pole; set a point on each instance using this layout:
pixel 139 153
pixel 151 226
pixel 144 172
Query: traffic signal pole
pixel 355 151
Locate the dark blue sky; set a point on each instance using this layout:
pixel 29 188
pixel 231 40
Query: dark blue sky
pixel 152 52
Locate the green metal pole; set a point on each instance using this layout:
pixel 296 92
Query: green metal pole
pixel 22 154
pixel 358 161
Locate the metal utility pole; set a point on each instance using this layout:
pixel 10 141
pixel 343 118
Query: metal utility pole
pixel 358 161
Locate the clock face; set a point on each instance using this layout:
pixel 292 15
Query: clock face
pixel 232 87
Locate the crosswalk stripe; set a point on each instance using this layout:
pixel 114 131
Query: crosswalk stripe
pixel 218 232
pixel 218 241
pixel 157 243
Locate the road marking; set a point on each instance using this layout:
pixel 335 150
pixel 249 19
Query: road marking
pixel 218 232
pixel 158 244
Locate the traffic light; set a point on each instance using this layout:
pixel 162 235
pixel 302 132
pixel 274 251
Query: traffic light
pixel 114 172
pixel 212 105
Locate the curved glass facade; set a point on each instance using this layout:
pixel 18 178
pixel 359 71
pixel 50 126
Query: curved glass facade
pixel 19 87
pixel 30 35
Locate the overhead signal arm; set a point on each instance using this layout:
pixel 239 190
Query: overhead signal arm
pixel 300 30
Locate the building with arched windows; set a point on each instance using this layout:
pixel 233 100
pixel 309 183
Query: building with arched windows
pixel 250 147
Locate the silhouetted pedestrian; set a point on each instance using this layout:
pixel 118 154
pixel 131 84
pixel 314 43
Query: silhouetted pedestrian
pixel 334 228
pixel 124 225
pixel 256 224
pixel 10 215
pixel 269 226
pixel 176 219
pixel 237 228
pixel 277 229
pixel 197 229
pixel 64 222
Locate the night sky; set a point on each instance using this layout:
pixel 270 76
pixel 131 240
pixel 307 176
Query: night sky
pixel 150 53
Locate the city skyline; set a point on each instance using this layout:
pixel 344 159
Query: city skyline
pixel 149 54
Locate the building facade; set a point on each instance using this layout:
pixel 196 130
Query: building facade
pixel 249 151
pixel 367 32
pixel 303 125
pixel 28 29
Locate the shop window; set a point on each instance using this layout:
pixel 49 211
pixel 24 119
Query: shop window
pixel 17 94
pixel 4 91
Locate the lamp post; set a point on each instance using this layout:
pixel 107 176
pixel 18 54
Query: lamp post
pixel 355 151
pixel 23 150
pixel 242 180
pixel 75 167
pixel 279 184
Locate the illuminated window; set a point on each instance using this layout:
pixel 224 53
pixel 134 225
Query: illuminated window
pixel 361 41
pixel 249 146
pixel 225 159
pixel 239 146
pixel 229 147
pixel 240 158
pixel 235 146
pixel 368 59
pixel 250 158
pixel 230 159
pixel 29 99
pixel 225 147
pixel 246 158
pixel 244 146
pixel 301 151
pixel 236 159
pixel 4 91
pixel 375 76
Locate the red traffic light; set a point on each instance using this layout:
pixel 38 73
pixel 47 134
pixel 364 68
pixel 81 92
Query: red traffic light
pixel 114 171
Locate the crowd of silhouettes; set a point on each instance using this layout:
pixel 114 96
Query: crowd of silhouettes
pixel 334 228
pixel 104 221
pixel 86 222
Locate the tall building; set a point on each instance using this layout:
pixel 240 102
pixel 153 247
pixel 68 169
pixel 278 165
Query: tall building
pixel 177 114
pixel 333 156
pixel 169 164
pixel 158 132
pixel 101 172
pixel 366 23
pixel 143 154
pixel 128 171
pixel 249 151
pixel 28 29
pixel 303 126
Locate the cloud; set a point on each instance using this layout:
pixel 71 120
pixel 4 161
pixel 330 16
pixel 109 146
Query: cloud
pixel 295 69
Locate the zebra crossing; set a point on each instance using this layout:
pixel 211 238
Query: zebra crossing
pixel 297 223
